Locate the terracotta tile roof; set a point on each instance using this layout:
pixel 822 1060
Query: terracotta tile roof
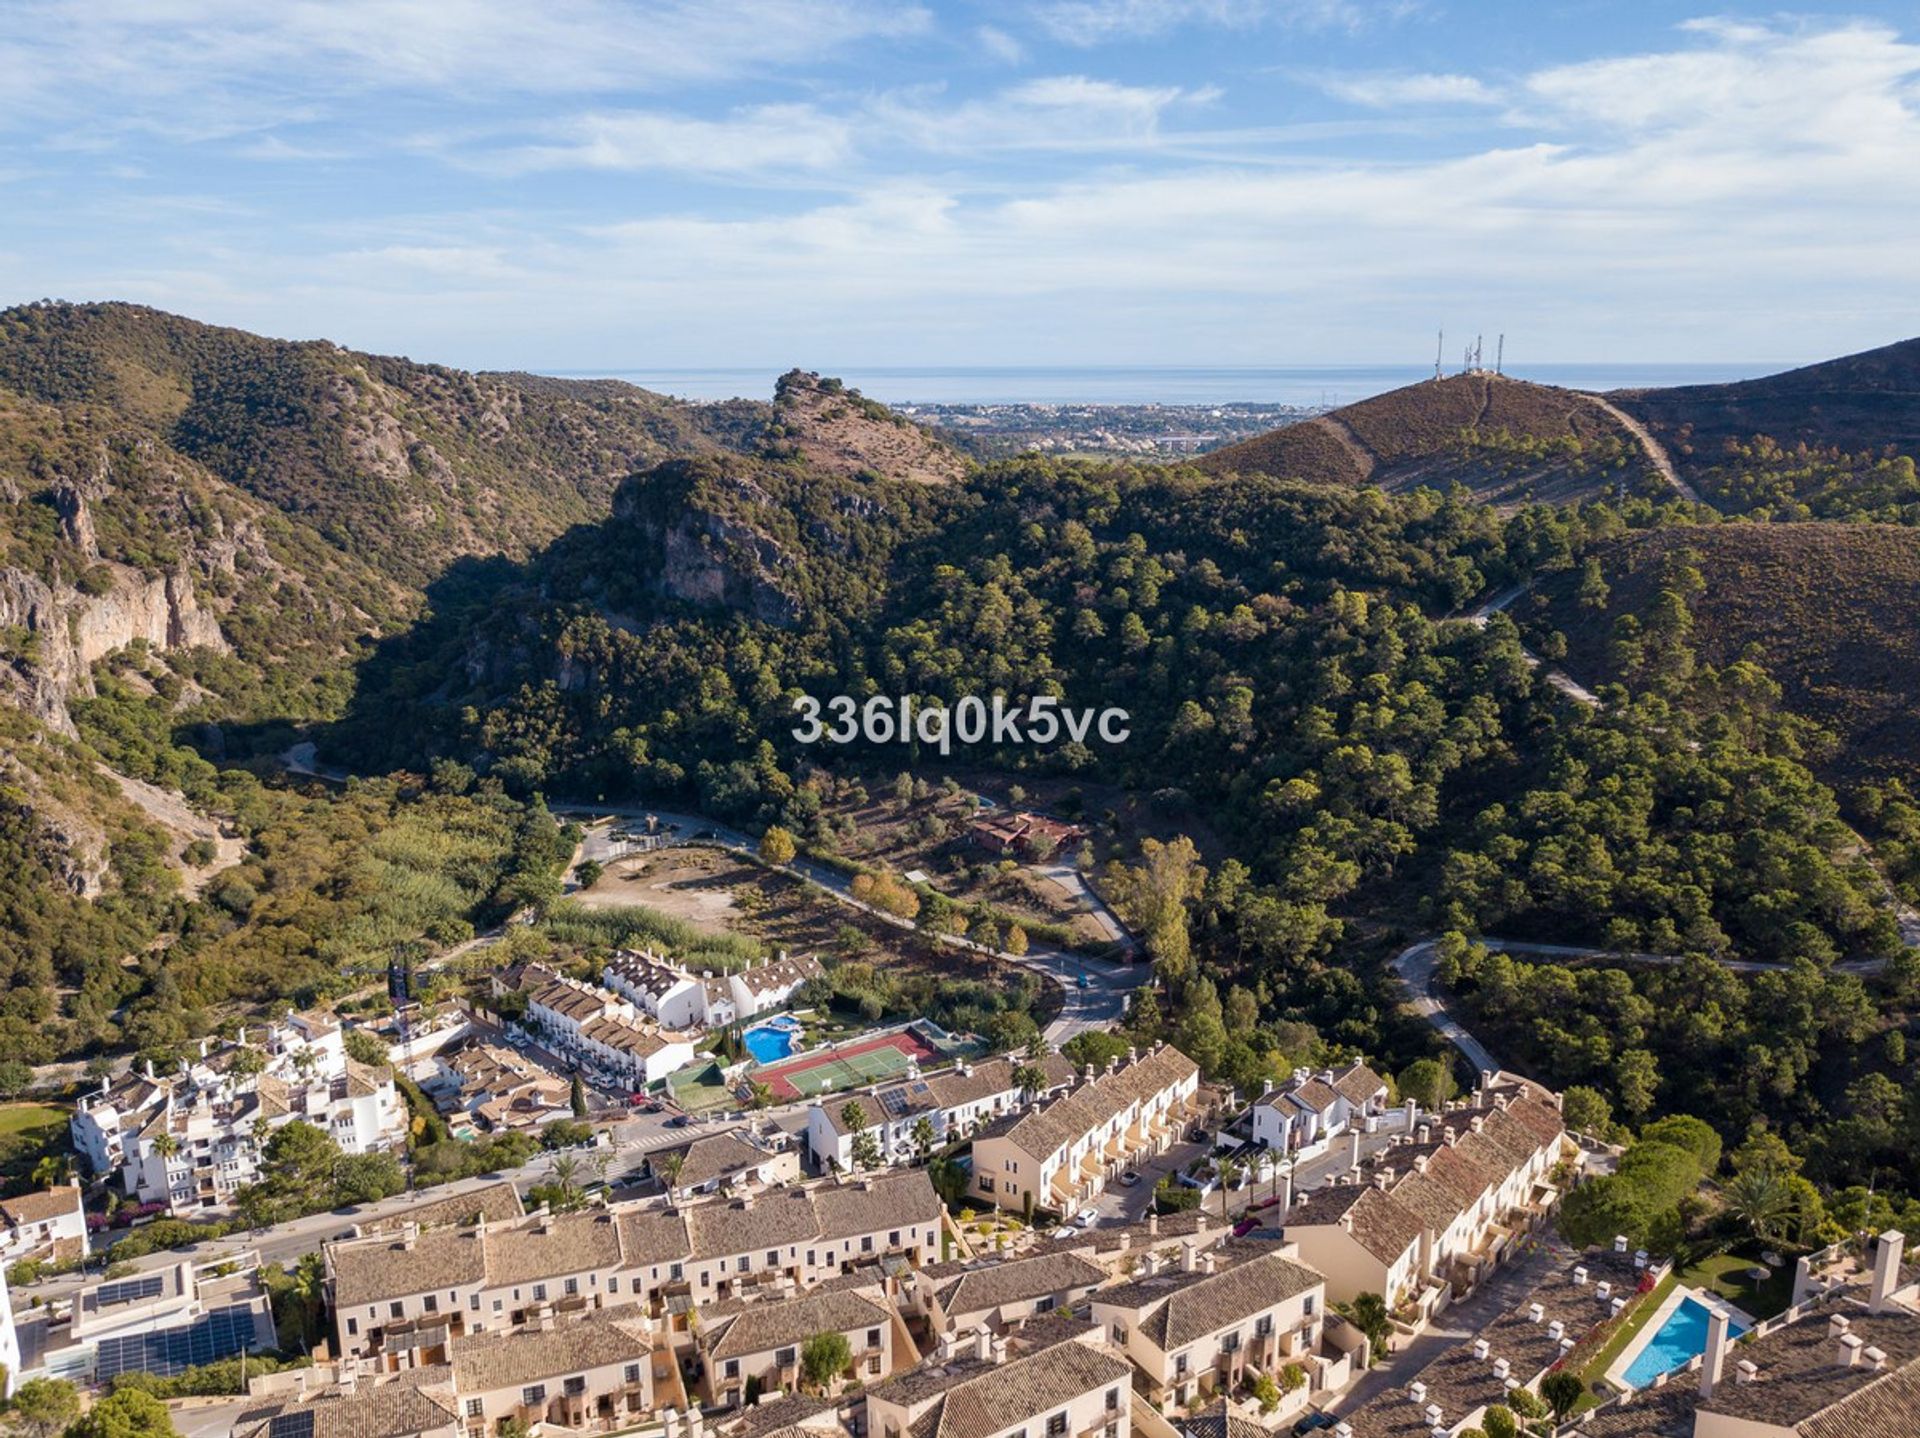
pixel 1218 1420
pixel 1315 1094
pixel 734 1330
pixel 1800 1374
pixel 975 1400
pixel 1179 1306
pixel 488 1362
pixel 1889 1408
pixel 1379 1222
pixel 877 1204
pixel 373 1270
pixel 716 1156
pixel 748 1225
pixel 1048 1127
pixel 977 1286
pixel 1358 1084
pixel 388 1411
pixel 495 1203
pixel 781 974
pixel 551 1246
pixel 654 1236
pixel 41 1205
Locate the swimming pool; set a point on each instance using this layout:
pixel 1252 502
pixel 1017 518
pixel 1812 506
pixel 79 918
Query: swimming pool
pixel 769 1042
pixel 1677 1342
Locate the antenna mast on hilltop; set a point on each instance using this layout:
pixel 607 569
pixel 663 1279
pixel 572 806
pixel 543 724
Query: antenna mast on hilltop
pixel 1500 355
pixel 1439 347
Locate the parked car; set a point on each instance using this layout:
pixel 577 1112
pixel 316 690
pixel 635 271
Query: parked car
pixel 1129 1178
pixel 679 1120
pixel 1313 1422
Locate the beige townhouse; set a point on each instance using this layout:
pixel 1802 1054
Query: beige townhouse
pixel 749 1347
pixel 1060 1155
pixel 1067 1390
pixel 1197 1328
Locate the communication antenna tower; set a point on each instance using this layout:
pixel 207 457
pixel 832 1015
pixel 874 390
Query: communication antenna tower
pixel 1500 355
pixel 1439 345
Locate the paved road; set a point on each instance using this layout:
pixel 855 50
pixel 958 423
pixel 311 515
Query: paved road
pixel 1415 964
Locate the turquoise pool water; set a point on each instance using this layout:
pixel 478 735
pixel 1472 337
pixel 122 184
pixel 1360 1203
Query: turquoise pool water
pixel 768 1042
pixel 1677 1342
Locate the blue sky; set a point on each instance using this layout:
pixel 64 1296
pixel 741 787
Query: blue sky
pixel 582 184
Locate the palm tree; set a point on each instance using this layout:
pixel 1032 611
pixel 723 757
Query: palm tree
pixel 50 1172
pixel 666 1167
pixel 565 1169
pixel 1762 1200
pixel 166 1145
pixel 1030 1079
pixel 308 1289
pixel 923 1137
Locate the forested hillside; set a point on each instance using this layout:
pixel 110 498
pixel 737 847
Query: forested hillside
pixel 1506 440
pixel 562 590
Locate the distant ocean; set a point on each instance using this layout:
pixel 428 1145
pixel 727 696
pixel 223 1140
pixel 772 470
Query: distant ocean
pixel 1125 384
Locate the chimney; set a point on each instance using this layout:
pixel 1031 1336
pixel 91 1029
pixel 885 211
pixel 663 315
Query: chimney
pixel 1412 1109
pixel 1535 1313
pixel 1876 1359
pixel 1501 1368
pixel 1266 1087
pixel 1419 1163
pixel 1713 1361
pixel 1417 1391
pixel 1886 1267
pixel 1556 1330
pixel 1580 1275
pixel 1153 1224
pixel 409 1235
pixel 1133 1054
pixel 1481 1348
pixel 1838 1325
pixel 1206 1263
pixel 1486 1079
pixel 1746 1370
pixel 149 1071
pixel 1478 1123
pixel 1189 1258
pixel 998 1350
pixel 983 1344
pixel 1619 1243
pixel 1603 1290
pixel 1850 1346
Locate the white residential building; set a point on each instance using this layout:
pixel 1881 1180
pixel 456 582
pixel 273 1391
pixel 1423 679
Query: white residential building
pixel 676 998
pixel 604 1032
pixel 190 1139
pixel 954 1103
pixel 1316 1107
pixel 48 1223
pixel 669 995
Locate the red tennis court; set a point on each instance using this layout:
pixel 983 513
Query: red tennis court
pixel 848 1066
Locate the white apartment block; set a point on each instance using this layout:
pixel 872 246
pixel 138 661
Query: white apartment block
pixel 677 999
pixel 602 1031
pixel 191 1139
pixel 1061 1154
pixel 956 1102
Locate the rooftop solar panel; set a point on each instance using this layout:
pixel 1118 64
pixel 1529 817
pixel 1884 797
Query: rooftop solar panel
pixel 130 1290
pixel 298 1424
pixel 221 1334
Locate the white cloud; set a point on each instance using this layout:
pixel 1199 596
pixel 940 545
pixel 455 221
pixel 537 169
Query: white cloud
pixel 168 61
pixel 767 137
pixel 999 45
pixel 1390 91
pixel 1058 112
pixel 1097 22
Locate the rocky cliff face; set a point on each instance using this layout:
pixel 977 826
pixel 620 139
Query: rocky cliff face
pixel 58 632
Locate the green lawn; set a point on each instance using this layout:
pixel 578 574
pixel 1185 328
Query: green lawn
pixel 20 1118
pixel 1603 1360
pixel 1726 1275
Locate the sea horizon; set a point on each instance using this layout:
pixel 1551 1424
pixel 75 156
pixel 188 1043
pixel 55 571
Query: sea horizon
pixel 1297 385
